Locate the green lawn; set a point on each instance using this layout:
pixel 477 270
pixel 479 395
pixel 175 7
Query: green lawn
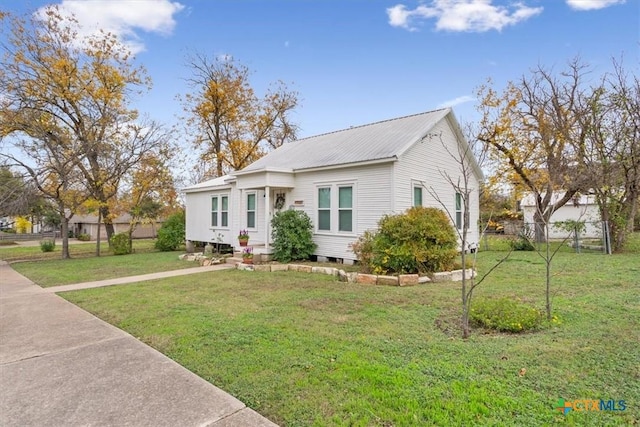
pixel 76 250
pixel 307 350
pixel 77 270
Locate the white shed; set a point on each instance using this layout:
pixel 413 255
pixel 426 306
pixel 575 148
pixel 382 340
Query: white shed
pixel 581 208
pixel 344 180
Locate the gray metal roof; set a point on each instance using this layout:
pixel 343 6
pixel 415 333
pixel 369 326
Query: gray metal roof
pixel 376 141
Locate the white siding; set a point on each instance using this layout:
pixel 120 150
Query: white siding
pixel 198 217
pixel 429 162
pixel 587 213
pixel 372 199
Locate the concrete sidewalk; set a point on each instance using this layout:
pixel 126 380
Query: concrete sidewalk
pixel 61 366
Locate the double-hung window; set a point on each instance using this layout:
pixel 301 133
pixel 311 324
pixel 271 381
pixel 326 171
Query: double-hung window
pixel 214 211
pixel 220 211
pixel 417 195
pixel 251 210
pixel 324 208
pixel 345 208
pixel 336 208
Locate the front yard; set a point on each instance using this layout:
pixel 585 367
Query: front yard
pixel 307 350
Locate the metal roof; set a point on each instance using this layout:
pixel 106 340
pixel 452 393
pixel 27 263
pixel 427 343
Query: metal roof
pixel 377 141
pixel 215 182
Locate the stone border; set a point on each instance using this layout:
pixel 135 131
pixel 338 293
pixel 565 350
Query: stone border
pixel 366 279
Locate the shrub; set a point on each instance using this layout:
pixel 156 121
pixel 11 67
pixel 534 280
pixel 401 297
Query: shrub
pixel 83 237
pixel 172 233
pixel 47 245
pixel 419 241
pixel 292 233
pixel 120 244
pixel 506 315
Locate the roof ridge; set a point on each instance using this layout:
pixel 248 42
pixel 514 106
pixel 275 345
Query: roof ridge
pixel 369 124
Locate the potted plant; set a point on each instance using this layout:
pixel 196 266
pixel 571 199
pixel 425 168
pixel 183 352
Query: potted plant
pixel 247 255
pixel 243 237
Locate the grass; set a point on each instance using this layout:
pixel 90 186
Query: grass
pixel 78 270
pixel 76 250
pixel 307 350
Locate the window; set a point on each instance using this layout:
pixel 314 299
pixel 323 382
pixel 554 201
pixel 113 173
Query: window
pixel 417 195
pixel 459 211
pixel 224 211
pixel 251 210
pixel 220 211
pixel 324 208
pixel 214 211
pixel 345 209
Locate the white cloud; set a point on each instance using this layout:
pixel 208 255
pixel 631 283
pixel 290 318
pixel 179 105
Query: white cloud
pixel 462 15
pixel 592 4
pixel 456 101
pixel 123 18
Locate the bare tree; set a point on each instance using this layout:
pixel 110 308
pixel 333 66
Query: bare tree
pixel 230 124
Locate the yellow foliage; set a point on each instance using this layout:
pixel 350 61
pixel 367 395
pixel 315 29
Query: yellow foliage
pixel 23 225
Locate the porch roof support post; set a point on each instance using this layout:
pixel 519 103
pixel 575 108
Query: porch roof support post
pixel 267 216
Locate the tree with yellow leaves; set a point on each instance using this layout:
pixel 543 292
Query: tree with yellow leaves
pixel 69 95
pixel 231 125
pixel 532 131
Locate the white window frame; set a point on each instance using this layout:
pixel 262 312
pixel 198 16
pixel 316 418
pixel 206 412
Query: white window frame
pixel 214 213
pixel 318 208
pixel 222 211
pixel 417 186
pixel 334 207
pixel 352 208
pixel 255 211
pixel 218 212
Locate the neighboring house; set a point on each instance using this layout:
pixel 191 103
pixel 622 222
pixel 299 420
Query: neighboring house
pixel 345 181
pixel 581 208
pixel 88 224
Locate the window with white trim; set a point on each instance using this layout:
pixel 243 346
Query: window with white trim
pixel 324 208
pixel 336 208
pixel 220 211
pixel 417 195
pixel 459 205
pixel 214 211
pixel 345 208
pixel 251 210
pixel 224 211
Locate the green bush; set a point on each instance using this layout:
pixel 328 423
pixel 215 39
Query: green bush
pixel 421 240
pixel 47 245
pixel 120 244
pixel 292 233
pixel 505 315
pixel 172 233
pixel 83 237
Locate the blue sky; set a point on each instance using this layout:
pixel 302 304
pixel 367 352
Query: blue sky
pixel 359 61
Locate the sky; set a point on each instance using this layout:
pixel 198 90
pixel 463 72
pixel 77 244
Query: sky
pixel 355 62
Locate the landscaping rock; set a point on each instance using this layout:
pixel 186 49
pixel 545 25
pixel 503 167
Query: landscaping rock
pixel 279 267
pixel 244 267
pixel 443 276
pixel 424 279
pixel 300 267
pixel 366 279
pixel 352 277
pixel 388 280
pixel 262 267
pixel 342 276
pixel 323 270
pixel 408 279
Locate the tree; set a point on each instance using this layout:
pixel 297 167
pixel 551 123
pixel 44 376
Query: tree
pixel 18 196
pixel 151 193
pixel 72 95
pixel 229 123
pixel 611 150
pixel 532 129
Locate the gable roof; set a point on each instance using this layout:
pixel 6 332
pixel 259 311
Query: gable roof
pixel 376 141
pixel 211 183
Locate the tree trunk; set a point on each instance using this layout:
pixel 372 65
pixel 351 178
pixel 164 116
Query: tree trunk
pixel 539 227
pixel 108 223
pixel 65 237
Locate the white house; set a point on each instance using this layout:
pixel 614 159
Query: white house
pixel 581 208
pixel 344 180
